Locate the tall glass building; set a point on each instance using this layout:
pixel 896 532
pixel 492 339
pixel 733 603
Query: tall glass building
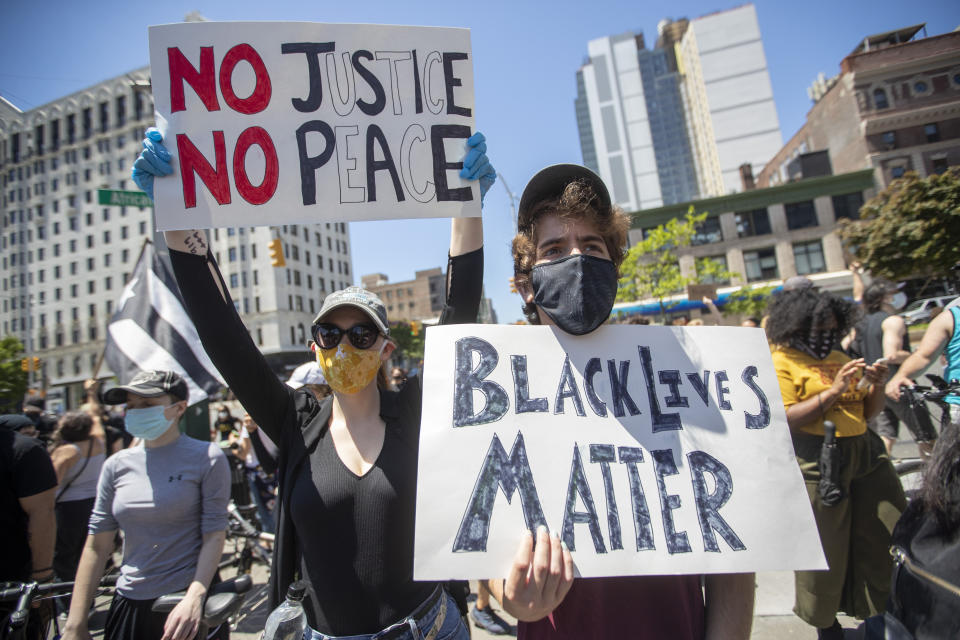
pixel 675 123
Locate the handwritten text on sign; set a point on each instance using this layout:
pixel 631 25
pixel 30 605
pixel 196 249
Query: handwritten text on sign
pixel 649 450
pixel 280 122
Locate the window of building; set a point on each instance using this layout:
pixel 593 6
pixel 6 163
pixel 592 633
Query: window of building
pixel 880 99
pixel 801 214
pixel 921 87
pixel 708 231
pixel 847 205
pixel 897 171
pixel 234 280
pixel 232 254
pixel 940 165
pixel 808 256
pixel 932 131
pixel 753 223
pixel 761 264
pixel 889 139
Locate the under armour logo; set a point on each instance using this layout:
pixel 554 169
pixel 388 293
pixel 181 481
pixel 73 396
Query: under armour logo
pixel 178 477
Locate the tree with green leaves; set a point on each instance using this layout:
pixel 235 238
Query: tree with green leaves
pixel 748 301
pixel 652 269
pixel 409 338
pixel 910 229
pixel 13 379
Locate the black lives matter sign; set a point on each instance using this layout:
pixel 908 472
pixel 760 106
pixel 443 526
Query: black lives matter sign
pixel 647 450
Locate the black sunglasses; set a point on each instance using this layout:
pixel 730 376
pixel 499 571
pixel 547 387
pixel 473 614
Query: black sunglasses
pixel 328 336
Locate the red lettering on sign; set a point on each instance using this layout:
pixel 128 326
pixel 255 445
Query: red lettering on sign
pixel 260 98
pixel 192 161
pixel 256 195
pixel 202 81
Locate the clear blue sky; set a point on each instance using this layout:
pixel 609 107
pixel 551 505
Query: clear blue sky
pixel 525 57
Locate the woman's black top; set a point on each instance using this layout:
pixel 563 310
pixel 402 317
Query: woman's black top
pixel 350 536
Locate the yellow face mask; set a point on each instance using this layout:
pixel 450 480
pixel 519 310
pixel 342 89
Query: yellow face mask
pixel 348 369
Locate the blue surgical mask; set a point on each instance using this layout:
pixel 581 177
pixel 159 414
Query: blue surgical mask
pixel 148 423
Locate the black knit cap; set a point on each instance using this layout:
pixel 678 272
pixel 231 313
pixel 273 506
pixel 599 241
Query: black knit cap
pixel 550 183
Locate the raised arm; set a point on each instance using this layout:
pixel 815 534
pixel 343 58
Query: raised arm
pixel 934 338
pixel 223 334
pixel 465 263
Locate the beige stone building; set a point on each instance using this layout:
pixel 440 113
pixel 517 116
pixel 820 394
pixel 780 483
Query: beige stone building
pixel 418 299
pixel 894 107
pixel 766 235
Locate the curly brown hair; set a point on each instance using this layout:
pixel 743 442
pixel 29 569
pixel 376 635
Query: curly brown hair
pixel 577 202
pixel 74 426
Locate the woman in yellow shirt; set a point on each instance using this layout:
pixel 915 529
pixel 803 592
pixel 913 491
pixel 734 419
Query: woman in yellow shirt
pixel 820 383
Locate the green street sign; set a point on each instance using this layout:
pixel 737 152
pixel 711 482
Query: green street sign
pixel 124 198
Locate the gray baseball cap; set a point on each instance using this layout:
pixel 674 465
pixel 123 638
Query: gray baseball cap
pixel 149 384
pixel 361 299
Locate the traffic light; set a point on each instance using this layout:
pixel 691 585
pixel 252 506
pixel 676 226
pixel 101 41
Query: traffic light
pixel 30 364
pixel 36 363
pixel 276 253
pixel 25 364
pixel 513 285
pixel 414 328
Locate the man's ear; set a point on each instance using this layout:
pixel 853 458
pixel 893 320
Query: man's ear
pixel 525 291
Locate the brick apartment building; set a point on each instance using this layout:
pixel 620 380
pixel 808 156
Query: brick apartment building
pixel 894 107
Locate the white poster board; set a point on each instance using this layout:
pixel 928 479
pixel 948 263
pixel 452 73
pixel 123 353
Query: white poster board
pixel 294 122
pixel 650 450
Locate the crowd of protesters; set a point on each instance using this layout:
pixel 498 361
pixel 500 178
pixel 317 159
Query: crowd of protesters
pixel 341 437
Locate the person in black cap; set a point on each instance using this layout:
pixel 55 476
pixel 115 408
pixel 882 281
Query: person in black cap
pixel 570 243
pixel 28 487
pixel 169 496
pixel 347 463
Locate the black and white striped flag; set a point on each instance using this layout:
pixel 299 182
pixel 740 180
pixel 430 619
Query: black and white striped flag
pixel 150 330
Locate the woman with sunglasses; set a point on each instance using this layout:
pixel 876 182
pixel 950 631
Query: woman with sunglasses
pixel 347 464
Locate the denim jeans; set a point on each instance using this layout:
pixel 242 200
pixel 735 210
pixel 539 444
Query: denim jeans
pixel 453 627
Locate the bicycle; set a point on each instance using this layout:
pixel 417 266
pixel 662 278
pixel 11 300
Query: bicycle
pixel 247 540
pixel 910 469
pixel 26 594
pixel 223 602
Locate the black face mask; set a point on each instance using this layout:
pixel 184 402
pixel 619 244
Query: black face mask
pixel 818 344
pixel 577 292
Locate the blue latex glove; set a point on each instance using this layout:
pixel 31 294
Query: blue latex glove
pixel 153 161
pixel 476 165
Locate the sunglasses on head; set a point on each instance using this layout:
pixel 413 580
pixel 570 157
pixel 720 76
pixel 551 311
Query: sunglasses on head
pixel 361 335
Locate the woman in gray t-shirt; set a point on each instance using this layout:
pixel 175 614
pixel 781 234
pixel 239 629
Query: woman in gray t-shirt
pixel 169 498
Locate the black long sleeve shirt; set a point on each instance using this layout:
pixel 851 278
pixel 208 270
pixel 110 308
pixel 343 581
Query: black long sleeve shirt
pixel 350 536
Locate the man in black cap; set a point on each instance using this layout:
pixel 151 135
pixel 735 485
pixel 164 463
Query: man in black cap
pixel 570 243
